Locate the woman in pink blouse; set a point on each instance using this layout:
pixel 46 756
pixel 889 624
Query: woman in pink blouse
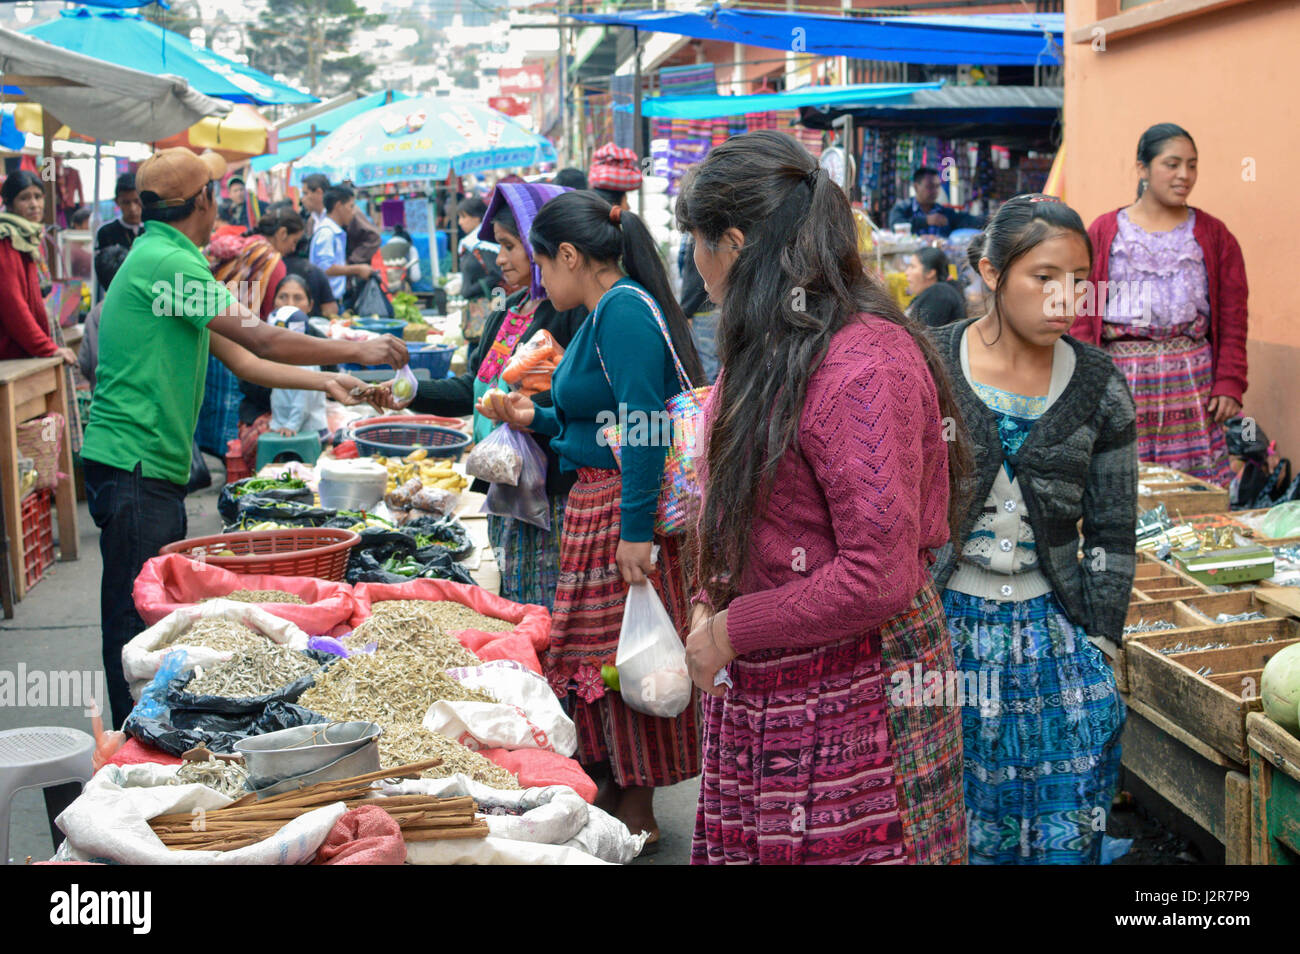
pixel 827 484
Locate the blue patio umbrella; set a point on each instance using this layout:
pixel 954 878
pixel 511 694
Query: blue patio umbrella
pixel 294 139
pixel 426 137
pixel 128 39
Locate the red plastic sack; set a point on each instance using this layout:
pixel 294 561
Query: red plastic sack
pixel 135 752
pixel 364 836
pixel 166 583
pixel 532 632
pixel 536 768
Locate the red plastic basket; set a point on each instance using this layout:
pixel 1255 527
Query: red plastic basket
pixel 236 466
pixel 455 423
pixel 38 536
pixel 319 552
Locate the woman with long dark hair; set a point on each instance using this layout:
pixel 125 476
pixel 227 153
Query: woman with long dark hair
pixel 527 555
pixel 1052 423
pixel 624 364
pixel 938 301
pixel 828 481
pixel 1169 285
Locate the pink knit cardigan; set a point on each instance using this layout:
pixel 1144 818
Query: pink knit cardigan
pixel 843 545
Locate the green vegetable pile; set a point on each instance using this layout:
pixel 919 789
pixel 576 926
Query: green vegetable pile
pixel 406 307
pixel 257 485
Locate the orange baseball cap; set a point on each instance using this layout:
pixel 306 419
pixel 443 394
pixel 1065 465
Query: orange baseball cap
pixel 172 177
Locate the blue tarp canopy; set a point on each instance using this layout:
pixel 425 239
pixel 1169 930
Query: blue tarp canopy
pixel 114 4
pixel 711 106
pixel 1002 39
pixel 128 39
pixel 325 123
pixel 958 110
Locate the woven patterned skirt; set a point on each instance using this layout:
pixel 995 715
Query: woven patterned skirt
pixel 1043 755
pixel 1171 380
pixel 814 757
pixel 219 414
pixel 585 623
pixel 528 556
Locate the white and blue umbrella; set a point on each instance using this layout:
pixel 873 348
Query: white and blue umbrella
pixel 427 137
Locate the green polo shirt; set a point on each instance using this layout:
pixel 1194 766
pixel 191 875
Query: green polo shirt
pixel 153 356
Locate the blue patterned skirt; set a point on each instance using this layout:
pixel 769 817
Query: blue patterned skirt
pixel 219 415
pixel 528 556
pixel 1042 749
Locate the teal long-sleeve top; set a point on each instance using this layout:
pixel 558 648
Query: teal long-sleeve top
pixel 642 378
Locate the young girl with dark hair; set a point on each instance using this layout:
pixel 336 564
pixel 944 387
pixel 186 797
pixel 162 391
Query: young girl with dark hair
pixel 1170 309
pixel 629 358
pixel 828 481
pixel 1052 422
pixel 527 555
pixel 938 301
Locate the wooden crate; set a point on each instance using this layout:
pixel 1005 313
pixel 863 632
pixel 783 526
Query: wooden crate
pixel 1146 559
pixel 1164 611
pixel 1184 498
pixel 1285 598
pixel 1211 707
pixel 1275 792
pixel 1243 601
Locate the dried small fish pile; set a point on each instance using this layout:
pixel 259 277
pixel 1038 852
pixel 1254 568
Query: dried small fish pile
pixel 397 684
pixel 225 777
pixel 437 616
pixel 248 821
pixel 1238 617
pixel 263 596
pixel 252 673
pixel 445 651
pixel 222 635
pixel 1148 626
pixel 404 742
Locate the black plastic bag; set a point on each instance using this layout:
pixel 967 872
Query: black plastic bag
pixel 228 502
pixel 253 509
pixel 368 567
pixel 177 739
pixel 449 531
pixel 370 300
pixel 200 476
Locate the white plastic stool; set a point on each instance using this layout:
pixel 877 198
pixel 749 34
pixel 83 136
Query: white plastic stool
pixel 42 757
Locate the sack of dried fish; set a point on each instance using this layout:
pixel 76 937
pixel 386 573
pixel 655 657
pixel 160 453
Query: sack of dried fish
pixel 209 632
pixel 404 742
pixel 249 674
pixel 217 774
pixel 261 596
pixel 397 684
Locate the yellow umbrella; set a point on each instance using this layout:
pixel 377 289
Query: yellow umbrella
pixel 28 117
pixel 241 135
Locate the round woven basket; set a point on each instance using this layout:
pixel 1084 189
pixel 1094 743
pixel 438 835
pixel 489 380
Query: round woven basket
pixel 318 552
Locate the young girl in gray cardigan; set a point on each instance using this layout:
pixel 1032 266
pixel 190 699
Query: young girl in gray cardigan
pixel 1052 425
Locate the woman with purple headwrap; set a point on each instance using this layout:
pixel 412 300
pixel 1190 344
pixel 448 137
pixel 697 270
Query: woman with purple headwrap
pixel 528 556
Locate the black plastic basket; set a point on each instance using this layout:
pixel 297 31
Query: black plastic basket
pixel 398 440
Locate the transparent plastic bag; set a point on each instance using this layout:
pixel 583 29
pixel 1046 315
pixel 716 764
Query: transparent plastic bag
pixel 651 659
pixel 499 457
pixel 530 369
pixel 527 500
pixel 404 386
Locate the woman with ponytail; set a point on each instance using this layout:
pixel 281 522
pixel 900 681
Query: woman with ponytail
pixel 623 365
pixel 1170 292
pixel 831 463
pixel 1052 423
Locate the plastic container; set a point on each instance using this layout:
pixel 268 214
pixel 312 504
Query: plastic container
pixel 351 484
pixel 380 326
pixel 319 552
pixel 455 423
pixel 38 536
pixel 434 358
pixel 398 440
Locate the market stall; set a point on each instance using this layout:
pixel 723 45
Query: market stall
pixel 1211 627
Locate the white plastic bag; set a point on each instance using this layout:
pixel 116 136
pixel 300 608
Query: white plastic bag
pixel 528 715
pixel 499 457
pixel 651 659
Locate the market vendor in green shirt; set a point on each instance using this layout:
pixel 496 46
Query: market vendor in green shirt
pixel 162 315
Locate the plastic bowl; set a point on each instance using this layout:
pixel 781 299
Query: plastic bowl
pixel 380 326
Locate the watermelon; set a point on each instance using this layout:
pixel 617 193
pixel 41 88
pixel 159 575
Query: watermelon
pixel 1280 689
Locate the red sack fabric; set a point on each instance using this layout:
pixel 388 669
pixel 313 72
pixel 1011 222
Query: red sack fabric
pixel 135 752
pixel 166 583
pixel 537 768
pixel 364 836
pixel 531 634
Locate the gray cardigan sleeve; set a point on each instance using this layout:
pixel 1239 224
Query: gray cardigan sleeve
pixel 1110 515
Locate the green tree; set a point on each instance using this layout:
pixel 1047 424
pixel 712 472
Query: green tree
pixel 296 38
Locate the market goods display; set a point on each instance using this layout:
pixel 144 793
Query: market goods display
pixel 252 673
pixel 283 488
pixel 262 596
pixel 431 473
pixel 226 777
pixel 424 548
pixel 404 742
pixel 438 617
pixel 222 635
pixel 248 821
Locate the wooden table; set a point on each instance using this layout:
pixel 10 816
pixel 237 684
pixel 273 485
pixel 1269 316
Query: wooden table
pixel 32 387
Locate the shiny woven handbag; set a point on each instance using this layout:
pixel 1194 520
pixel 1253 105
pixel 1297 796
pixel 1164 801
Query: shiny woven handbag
pixel 679 495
